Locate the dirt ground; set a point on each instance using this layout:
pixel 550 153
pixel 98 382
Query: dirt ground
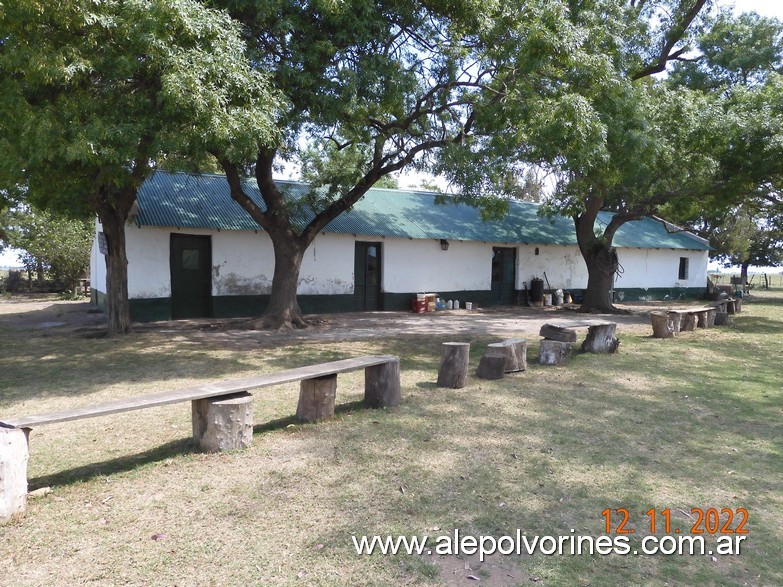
pixel 47 314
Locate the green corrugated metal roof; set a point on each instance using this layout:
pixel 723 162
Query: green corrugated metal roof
pixel 204 201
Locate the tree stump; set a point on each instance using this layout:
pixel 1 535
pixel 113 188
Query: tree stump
pixel 554 352
pixel 675 319
pixel 13 473
pixel 688 323
pixel 492 366
pixel 721 318
pixel 453 370
pixel 710 319
pixel 661 324
pixel 223 423
pixel 382 385
pixel 316 399
pixel 515 352
pixel 701 319
pixel 601 339
pixel 731 307
pixel 737 305
pixel 560 333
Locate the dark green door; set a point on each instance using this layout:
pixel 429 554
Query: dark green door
pixel 191 276
pixel 367 276
pixel 504 261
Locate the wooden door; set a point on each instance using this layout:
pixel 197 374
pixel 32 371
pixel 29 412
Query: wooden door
pixel 191 276
pixel 367 276
pixel 504 261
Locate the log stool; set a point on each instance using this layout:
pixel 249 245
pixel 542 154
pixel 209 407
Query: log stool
pixel 223 423
pixel 453 370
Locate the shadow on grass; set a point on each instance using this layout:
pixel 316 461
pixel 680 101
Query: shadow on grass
pixel 172 449
pixel 114 466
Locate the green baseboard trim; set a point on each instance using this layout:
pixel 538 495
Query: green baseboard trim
pixel 155 309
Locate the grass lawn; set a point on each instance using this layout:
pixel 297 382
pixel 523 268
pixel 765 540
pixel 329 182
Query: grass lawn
pixel 678 424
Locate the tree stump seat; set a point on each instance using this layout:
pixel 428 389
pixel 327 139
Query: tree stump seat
pixel 504 357
pixel 688 319
pixel 601 338
pixel 222 413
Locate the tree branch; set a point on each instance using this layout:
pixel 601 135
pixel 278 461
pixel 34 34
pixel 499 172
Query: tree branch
pixel 673 37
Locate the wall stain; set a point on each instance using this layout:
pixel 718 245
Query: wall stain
pixel 233 284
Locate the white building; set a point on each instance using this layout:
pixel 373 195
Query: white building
pixel 192 251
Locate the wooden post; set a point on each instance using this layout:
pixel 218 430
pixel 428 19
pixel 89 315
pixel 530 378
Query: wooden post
pixel 316 399
pixel 661 325
pixel 554 352
pixel 453 370
pixel 689 322
pixel 382 385
pixel 223 422
pixel 13 473
pixel 601 339
pixel 675 318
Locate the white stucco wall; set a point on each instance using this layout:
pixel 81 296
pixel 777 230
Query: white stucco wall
pixel 97 263
pixel 645 268
pixel 243 263
pixel 421 265
pixel 564 266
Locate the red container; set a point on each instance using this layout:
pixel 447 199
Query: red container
pixel 419 306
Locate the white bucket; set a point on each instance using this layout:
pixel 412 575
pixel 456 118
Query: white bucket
pixel 547 299
pixel 468 305
pixel 456 304
pixel 559 297
pixel 449 305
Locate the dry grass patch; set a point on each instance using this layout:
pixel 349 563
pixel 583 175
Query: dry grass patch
pixel 689 422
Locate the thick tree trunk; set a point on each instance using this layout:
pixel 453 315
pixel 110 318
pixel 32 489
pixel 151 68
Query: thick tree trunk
pixel 283 310
pixel 117 305
pixel 744 276
pixel 600 279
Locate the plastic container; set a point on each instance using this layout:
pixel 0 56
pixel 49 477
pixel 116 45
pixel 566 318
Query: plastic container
pixel 559 297
pixel 449 305
pixel 456 304
pixel 547 299
pixel 468 305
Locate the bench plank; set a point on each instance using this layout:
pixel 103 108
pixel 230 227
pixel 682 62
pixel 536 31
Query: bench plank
pixel 584 323
pixel 200 392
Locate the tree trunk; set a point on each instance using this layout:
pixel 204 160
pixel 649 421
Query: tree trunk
pixel 600 272
pixel 113 210
pixel 283 310
pixel 599 255
pixel 744 276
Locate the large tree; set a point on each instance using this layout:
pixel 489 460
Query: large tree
pixel 627 144
pixel 92 94
pixel 375 87
pixel 51 243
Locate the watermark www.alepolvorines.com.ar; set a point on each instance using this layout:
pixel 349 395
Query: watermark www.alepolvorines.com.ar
pixel 520 543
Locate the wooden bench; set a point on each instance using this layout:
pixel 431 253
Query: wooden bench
pixel 668 323
pixel 559 335
pixel 221 413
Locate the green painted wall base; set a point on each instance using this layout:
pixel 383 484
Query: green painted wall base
pixel 154 309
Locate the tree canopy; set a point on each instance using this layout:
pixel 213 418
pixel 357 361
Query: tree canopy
pixel 93 93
